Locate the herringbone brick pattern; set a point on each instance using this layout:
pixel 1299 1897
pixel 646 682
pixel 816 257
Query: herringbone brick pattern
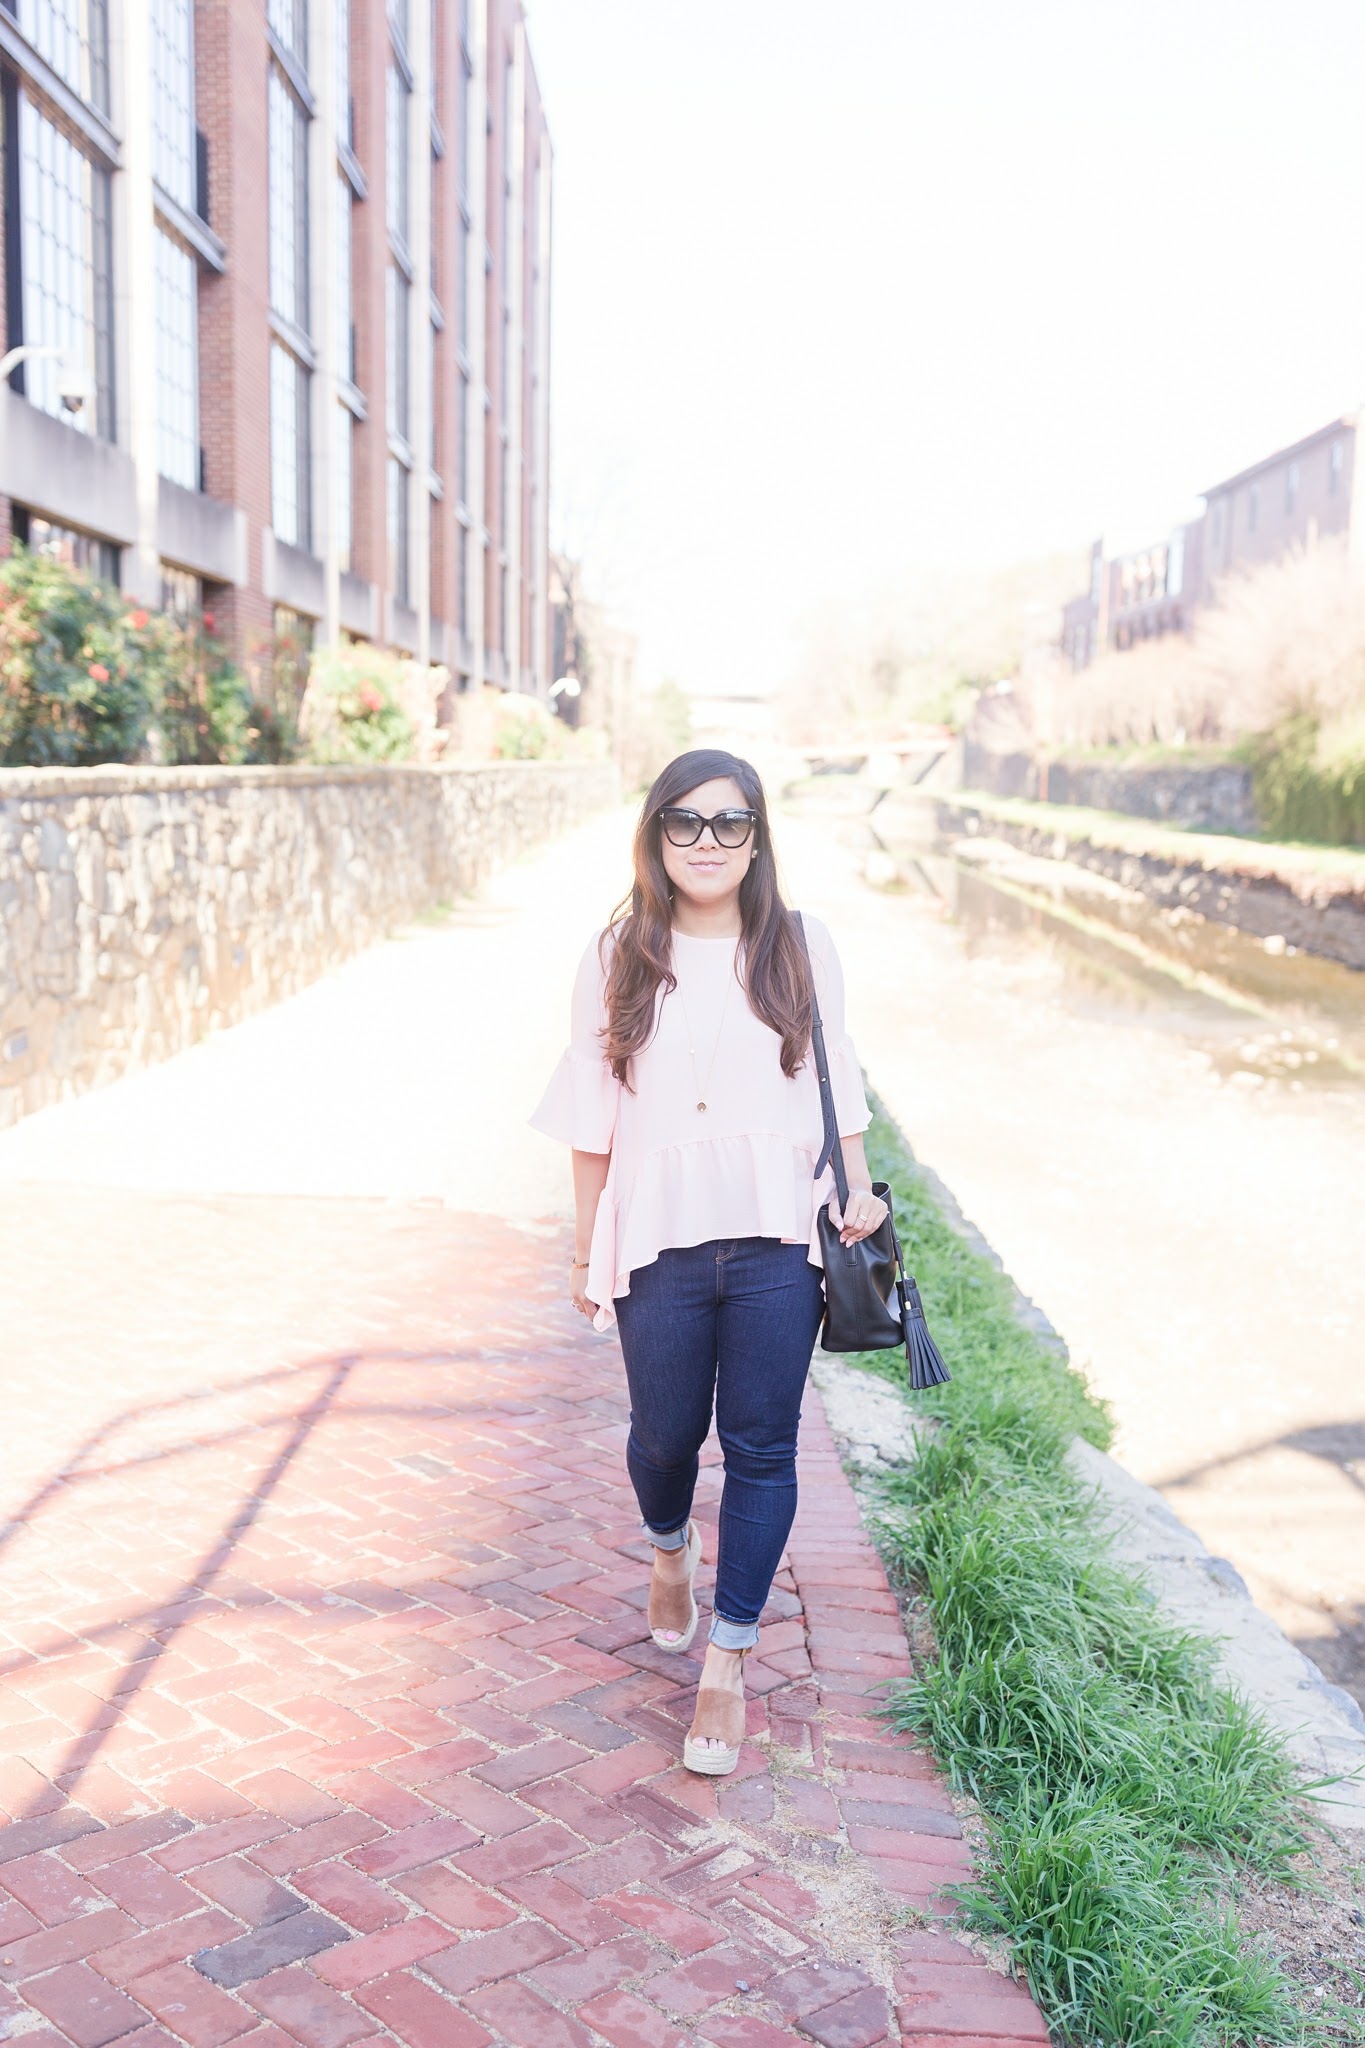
pixel 329 1710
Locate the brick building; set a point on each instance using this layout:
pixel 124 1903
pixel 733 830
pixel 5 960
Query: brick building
pixel 1134 596
pixel 1293 498
pixel 298 253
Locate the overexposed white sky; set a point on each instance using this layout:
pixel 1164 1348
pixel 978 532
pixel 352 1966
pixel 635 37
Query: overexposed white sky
pixel 843 290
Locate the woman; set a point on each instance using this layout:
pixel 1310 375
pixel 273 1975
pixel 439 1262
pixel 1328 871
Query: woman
pixel 689 1096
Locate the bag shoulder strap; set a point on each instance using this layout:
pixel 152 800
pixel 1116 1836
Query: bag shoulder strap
pixel 832 1152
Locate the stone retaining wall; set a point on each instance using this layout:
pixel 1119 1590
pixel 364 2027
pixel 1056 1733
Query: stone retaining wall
pixel 141 908
pixel 1318 913
pixel 1213 798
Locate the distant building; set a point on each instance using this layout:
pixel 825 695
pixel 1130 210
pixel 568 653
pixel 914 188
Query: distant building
pixel 1293 498
pixel 301 251
pixel 1133 597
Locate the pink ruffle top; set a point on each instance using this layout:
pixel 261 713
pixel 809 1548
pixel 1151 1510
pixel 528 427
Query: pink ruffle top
pixel 680 1175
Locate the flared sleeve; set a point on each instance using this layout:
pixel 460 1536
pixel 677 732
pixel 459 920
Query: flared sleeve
pixel 845 1070
pixel 580 1102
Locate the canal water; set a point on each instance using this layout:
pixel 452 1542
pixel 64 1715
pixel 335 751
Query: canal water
pixel 1159 1122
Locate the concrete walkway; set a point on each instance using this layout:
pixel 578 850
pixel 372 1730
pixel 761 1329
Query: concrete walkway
pixel 330 1713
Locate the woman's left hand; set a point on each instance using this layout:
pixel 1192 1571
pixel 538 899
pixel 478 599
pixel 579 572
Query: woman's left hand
pixel 866 1212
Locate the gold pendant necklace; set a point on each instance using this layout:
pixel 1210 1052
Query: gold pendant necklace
pixel 701 1085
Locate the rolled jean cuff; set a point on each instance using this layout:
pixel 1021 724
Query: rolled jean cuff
pixel 670 1539
pixel 733 1635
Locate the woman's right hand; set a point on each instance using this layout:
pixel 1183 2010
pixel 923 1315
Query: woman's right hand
pixel 578 1295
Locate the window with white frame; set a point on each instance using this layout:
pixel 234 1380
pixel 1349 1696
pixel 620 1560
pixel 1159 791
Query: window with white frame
pixel 398 495
pixel 397 310
pixel 59 241
pixel 1335 463
pixel 462 543
pixel 289 24
pixel 396 153
pixel 342 484
pixel 287 204
pixel 431 390
pixel 463 106
pixel 73 37
pixel 173 124
pixel 177 363
pixel 462 282
pixel 289 466
pixel 87 552
pixel 1291 487
pixel 287 146
pixel 462 440
pixel 1175 563
pixel 182 592
pixel 341 22
pixel 344 202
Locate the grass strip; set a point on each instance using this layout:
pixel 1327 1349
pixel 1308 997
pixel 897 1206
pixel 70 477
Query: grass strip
pixel 1123 1787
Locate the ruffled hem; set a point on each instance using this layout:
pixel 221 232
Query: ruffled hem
pixel 755 1185
pixel 579 1105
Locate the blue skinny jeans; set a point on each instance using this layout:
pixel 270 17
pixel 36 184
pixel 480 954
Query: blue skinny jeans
pixel 730 1323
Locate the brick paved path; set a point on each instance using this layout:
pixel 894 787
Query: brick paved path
pixel 330 1714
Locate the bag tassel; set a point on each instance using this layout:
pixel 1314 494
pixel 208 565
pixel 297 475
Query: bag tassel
pixel 926 1360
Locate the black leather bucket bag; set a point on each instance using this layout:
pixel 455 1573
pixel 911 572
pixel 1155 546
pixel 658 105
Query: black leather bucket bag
pixel 871 1303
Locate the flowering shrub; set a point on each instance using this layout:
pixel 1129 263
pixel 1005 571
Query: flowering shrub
pixel 85 678
pixel 72 687
pixel 523 730
pixel 353 708
pixel 202 707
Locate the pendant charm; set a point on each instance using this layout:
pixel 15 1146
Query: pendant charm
pixel 701 1105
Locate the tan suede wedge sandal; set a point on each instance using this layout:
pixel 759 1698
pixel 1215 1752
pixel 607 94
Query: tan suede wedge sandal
pixel 676 1606
pixel 720 1718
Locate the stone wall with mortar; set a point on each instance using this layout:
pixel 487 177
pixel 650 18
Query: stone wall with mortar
pixel 1216 797
pixel 142 908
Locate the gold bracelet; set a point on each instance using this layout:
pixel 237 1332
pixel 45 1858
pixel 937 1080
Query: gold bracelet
pixel 574 1264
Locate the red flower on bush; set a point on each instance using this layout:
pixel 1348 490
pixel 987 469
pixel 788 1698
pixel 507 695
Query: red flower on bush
pixel 99 671
pixel 208 622
pixel 137 620
pixel 371 698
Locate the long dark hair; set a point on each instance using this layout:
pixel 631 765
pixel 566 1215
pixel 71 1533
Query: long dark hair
pixel 776 979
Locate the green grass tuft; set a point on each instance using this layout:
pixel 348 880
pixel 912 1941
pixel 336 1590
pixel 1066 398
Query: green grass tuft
pixel 1119 1779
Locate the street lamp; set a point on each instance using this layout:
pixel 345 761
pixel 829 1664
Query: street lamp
pixel 74 384
pixel 567 686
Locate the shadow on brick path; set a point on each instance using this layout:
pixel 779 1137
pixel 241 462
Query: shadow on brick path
pixel 330 1710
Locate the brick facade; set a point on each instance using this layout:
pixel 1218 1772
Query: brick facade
pixel 234 308
pixel 490 168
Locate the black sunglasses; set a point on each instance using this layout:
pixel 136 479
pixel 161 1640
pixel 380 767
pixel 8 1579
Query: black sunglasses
pixel 728 828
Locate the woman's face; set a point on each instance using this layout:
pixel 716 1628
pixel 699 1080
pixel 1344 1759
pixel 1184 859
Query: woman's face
pixel 707 873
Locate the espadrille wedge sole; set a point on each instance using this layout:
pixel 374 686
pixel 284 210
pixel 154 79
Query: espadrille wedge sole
pixel 720 1718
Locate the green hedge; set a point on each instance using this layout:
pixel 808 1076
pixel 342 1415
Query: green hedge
pixel 1308 788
